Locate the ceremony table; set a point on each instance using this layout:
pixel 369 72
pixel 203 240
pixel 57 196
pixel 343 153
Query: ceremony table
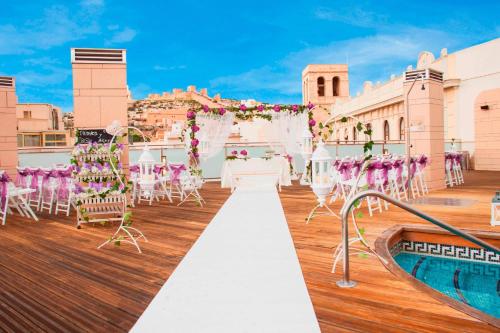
pixel 255 169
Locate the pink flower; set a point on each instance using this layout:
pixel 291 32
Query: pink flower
pixel 194 142
pixel 277 108
pixel 190 115
pixel 243 107
pixel 234 152
pixel 295 108
pixel 310 105
pixel 196 155
pixel 222 111
pixel 205 108
pixel 244 152
pixel 312 122
pixel 195 128
pixel 260 108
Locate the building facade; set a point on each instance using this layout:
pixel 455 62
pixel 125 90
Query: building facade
pixel 324 85
pixel 471 83
pixel 40 125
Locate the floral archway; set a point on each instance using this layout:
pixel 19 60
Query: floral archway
pixel 220 114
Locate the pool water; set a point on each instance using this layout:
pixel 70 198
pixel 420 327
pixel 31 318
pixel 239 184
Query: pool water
pixel 474 283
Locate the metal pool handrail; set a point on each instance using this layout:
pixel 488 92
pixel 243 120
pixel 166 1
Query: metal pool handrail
pixel 346 282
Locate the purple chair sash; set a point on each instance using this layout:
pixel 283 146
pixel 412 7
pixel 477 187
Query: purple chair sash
pixel 370 172
pixel 63 190
pixel 344 168
pixel 4 180
pixel 175 172
pixel 22 174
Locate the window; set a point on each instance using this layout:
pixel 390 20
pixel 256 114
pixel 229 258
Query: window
pixel 321 86
pixel 27 114
pixel 32 140
pixel 54 139
pixel 401 128
pixel 386 131
pixel 354 134
pixel 19 140
pixel 335 85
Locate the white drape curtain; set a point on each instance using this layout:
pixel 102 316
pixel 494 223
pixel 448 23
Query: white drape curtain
pixel 284 132
pixel 214 132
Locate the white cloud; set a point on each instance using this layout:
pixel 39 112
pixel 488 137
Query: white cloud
pixel 373 57
pixel 92 3
pixel 55 27
pixel 122 36
pixel 355 16
pixel 168 68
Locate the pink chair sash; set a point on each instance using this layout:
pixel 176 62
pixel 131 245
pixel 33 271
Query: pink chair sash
pixel 22 175
pixel 63 190
pixel 4 180
pixel 371 169
pixel 344 168
pixel 175 172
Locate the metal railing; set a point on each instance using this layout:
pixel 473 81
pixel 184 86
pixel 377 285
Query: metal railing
pixel 346 282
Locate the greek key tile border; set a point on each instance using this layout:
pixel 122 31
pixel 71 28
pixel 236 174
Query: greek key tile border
pixel 445 250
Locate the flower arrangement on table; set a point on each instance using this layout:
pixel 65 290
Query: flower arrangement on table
pixel 243 154
pixel 242 112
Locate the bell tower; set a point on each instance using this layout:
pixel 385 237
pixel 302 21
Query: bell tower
pixel 323 85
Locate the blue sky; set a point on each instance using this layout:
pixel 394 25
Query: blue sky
pixel 242 49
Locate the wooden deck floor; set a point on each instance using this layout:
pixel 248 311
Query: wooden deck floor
pixel 52 277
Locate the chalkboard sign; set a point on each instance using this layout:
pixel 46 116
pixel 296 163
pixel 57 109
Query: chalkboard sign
pixel 93 135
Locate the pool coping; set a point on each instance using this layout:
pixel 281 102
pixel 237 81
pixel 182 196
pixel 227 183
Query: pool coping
pixel 390 236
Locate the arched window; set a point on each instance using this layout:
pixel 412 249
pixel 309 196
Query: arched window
pixel 386 131
pixel 335 85
pixel 346 135
pixel 401 128
pixel 321 86
pixel 354 134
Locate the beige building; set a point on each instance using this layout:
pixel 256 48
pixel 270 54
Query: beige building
pixel 40 125
pixel 471 99
pixel 324 85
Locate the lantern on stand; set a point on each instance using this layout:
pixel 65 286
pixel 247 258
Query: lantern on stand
pixel 147 179
pixel 306 152
pixel 203 146
pixel 321 183
pixel 495 209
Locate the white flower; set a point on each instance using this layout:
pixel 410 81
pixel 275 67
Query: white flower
pixel 114 127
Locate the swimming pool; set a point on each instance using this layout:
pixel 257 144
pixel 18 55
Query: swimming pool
pixel 447 267
pixel 474 283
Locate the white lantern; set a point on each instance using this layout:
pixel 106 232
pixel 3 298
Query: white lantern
pixel 203 146
pixel 495 209
pixel 321 165
pixel 146 171
pixel 306 152
pixel 307 143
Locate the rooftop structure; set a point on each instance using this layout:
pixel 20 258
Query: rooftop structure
pixel 471 80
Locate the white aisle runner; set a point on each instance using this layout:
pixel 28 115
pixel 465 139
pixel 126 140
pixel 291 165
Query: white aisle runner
pixel 241 275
